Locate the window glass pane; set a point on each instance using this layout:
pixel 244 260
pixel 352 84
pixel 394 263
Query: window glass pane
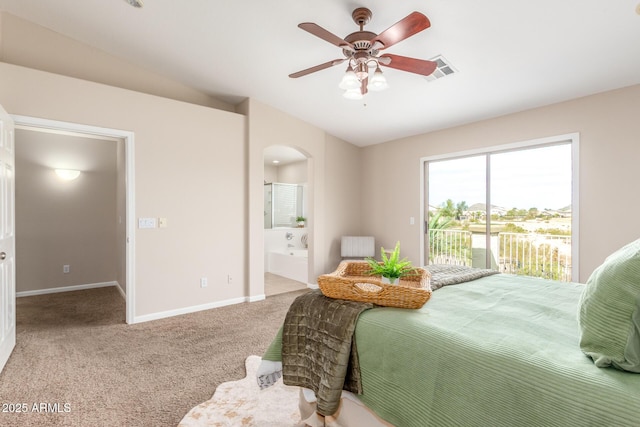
pixel 526 229
pixel 531 191
pixel 284 204
pixel 456 195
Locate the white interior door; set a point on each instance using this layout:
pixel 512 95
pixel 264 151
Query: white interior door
pixel 7 239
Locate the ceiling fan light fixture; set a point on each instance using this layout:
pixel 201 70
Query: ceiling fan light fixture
pixel 361 51
pixel 377 82
pixel 353 94
pixel 349 80
pixel 362 71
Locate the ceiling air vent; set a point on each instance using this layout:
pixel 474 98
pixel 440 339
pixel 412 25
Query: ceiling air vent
pixel 444 68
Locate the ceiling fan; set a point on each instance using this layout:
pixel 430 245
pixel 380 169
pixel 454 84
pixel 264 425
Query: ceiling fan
pixel 362 51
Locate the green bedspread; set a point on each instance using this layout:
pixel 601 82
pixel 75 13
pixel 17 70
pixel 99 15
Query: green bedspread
pixel 497 351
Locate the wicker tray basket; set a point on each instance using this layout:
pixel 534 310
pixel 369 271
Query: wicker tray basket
pixel 351 281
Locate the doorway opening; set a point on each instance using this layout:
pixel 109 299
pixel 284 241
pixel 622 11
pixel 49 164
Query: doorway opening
pixel 286 208
pixel 117 144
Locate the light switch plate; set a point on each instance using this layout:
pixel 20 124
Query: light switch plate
pixel 146 223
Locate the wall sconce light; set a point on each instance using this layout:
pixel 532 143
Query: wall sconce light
pixel 67 174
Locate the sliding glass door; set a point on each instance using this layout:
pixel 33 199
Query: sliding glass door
pixel 456 207
pixel 508 210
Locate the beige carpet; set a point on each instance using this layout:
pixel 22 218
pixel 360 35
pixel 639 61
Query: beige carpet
pixel 74 348
pixel 242 403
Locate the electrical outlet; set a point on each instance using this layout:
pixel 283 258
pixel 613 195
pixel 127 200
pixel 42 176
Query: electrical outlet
pixel 203 282
pixel 65 268
pixel 229 279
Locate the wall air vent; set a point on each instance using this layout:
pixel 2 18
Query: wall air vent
pixel 444 68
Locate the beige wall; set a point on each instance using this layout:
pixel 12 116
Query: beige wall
pixel 290 173
pixel 328 183
pixel 268 126
pixel 214 203
pixel 609 151
pixel 343 201
pixel 270 173
pixel 30 45
pixel 26 44
pixel 64 222
pixel 293 173
pixel 180 175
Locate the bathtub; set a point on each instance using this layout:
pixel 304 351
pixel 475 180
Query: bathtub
pixel 290 263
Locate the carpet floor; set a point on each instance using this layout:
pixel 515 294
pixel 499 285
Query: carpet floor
pixel 76 362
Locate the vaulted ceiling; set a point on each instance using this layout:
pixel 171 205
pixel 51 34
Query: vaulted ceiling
pixel 508 55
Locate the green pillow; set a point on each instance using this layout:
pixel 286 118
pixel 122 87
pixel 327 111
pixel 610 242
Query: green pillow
pixel 609 311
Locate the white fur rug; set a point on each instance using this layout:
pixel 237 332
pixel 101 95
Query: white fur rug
pixel 242 404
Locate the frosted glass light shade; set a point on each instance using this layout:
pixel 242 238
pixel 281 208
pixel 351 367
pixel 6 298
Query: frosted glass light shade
pixel 378 81
pixel 67 174
pixel 349 80
pixel 353 94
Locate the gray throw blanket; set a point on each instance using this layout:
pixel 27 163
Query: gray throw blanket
pixel 445 274
pixel 319 350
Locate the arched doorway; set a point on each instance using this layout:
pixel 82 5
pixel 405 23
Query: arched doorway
pixel 286 211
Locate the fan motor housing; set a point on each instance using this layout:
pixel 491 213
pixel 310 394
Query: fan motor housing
pixel 361 41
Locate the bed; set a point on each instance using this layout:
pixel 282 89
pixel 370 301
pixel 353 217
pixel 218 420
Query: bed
pixel 504 350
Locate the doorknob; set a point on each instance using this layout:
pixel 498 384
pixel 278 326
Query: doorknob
pixel 3 255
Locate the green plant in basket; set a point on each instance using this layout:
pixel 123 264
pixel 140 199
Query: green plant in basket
pixel 391 267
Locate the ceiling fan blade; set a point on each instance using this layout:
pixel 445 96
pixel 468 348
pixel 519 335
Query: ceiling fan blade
pixel 317 68
pixel 325 35
pixel 412 65
pixel 410 25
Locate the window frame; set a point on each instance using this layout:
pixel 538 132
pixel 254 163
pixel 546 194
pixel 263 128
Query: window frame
pixel 572 138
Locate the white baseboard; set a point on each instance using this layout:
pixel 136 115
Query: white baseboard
pixel 256 298
pixel 152 316
pixel 66 289
pixel 187 310
pixel 312 286
pixel 122 292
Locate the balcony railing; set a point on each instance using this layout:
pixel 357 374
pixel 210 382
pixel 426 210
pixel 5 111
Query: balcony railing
pixel 450 247
pixel 530 254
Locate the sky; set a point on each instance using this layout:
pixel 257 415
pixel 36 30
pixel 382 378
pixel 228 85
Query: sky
pixel 532 178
